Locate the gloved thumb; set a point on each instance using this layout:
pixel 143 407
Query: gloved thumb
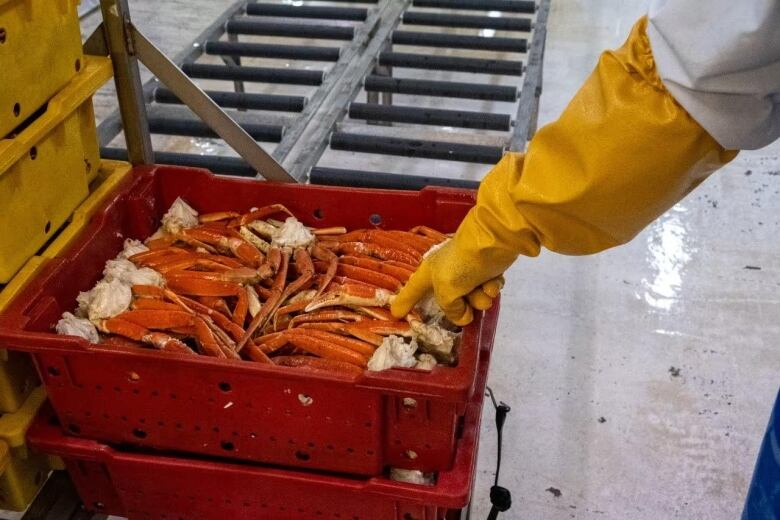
pixel 418 286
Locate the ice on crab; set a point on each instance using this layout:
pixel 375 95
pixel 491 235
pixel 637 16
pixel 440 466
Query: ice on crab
pixel 435 248
pixel 429 308
pixel 393 352
pixel 106 300
pixel 70 325
pixel 292 234
pixel 426 362
pixel 412 476
pixel 179 216
pixel 435 339
pixel 129 274
pixel 132 247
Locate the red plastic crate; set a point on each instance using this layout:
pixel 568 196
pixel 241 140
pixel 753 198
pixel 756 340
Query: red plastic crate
pixel 357 425
pixel 148 486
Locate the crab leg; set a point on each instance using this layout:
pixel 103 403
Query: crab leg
pixel 380 238
pixel 239 247
pixel 430 233
pixel 305 268
pixel 242 308
pixel 328 350
pixel 222 321
pixel 198 286
pixel 346 329
pixel 216 303
pixel 315 363
pixel 261 213
pixel 369 249
pixel 356 345
pixel 352 294
pixel 255 353
pixel 399 273
pixel 153 304
pixel 325 255
pixel 206 340
pixel 372 277
pixel 420 242
pixel 128 329
pixel 218 216
pixel 152 319
pixel 271 303
pixel 323 316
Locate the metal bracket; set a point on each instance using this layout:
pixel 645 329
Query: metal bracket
pixel 127 45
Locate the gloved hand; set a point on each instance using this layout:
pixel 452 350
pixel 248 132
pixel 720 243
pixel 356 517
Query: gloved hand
pixel 621 154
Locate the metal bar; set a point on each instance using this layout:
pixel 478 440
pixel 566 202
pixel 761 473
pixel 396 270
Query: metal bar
pixel 416 148
pixel 468 21
pixel 528 108
pixel 304 11
pixel 292 30
pixel 238 86
pixel 382 180
pixel 509 6
pixel 254 74
pixel 262 50
pixel 110 127
pixel 207 110
pixel 307 138
pixel 190 128
pixel 58 500
pixel 419 87
pixel 215 163
pixel 459 41
pixel 241 101
pixel 116 22
pixel 430 116
pixel 451 63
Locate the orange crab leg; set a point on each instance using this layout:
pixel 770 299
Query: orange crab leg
pixel 305 268
pixel 346 329
pixel 255 353
pixel 399 273
pixel 136 332
pixel 323 316
pixel 155 256
pixel 215 303
pixel 352 294
pixel 336 230
pixel 206 339
pixel 261 213
pixel 356 345
pixel 421 243
pixel 147 291
pixel 369 249
pixel 154 304
pixel 377 313
pixel 325 255
pixel 242 308
pixel 271 303
pixel 314 363
pixel 153 319
pixel 196 286
pixel 218 216
pixel 369 276
pixel 429 232
pixel 380 238
pixel 325 349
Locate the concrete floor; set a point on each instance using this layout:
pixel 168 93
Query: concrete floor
pixel 640 379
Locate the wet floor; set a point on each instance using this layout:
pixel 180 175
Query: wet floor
pixel 640 379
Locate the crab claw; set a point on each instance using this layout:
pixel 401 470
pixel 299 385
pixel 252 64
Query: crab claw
pixel 352 294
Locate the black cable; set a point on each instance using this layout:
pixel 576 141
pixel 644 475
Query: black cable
pixel 500 498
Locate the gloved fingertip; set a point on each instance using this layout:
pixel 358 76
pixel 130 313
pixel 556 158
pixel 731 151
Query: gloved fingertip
pixel 480 300
pixel 493 287
pixel 465 318
pixel 418 286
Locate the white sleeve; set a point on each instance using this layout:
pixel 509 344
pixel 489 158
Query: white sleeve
pixel 720 59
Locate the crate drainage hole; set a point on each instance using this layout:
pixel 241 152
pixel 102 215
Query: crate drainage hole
pixel 302 455
pixel 227 446
pixel 408 516
pixel 305 400
pixel 72 428
pixel 318 214
pixel 225 387
pixel 139 433
pixel 375 219
pixel 53 371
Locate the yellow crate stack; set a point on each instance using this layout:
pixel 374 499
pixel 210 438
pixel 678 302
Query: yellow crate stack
pixel 51 181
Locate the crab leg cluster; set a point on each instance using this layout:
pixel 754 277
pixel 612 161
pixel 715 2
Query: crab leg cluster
pixel 246 286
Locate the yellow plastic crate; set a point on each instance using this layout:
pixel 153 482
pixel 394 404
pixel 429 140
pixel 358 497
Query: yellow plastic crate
pixel 46 169
pixel 17 373
pixel 40 51
pixel 25 471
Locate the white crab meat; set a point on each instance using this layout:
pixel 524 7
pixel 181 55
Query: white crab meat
pixel 129 274
pixel 292 234
pixel 179 216
pixel 434 338
pixel 105 300
pixel 393 352
pixel 132 247
pixel 426 362
pixel 254 301
pixel 412 476
pixel 71 325
pixel 429 308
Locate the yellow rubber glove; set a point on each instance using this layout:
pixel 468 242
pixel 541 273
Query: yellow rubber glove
pixel 621 154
